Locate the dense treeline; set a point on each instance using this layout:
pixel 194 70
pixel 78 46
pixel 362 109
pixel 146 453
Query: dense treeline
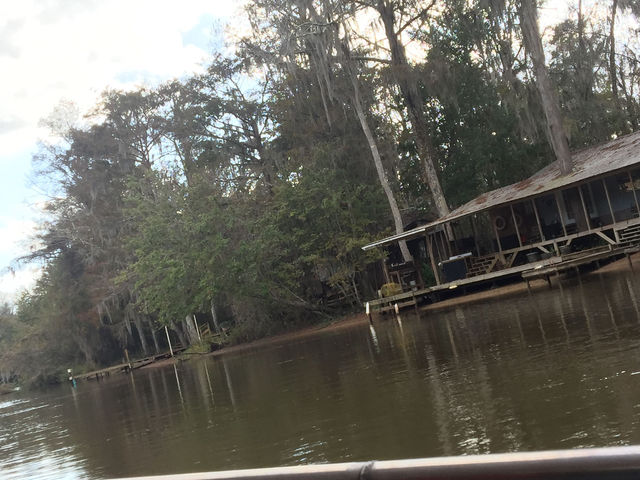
pixel 244 194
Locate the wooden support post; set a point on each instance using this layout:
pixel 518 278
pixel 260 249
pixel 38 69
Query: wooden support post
pixel 195 323
pixel 515 224
pixel 528 287
pixel 474 229
pixel 584 208
pixel 126 355
pixel 606 192
pixel 556 196
pixel 434 267
pixel 535 211
pixel 445 236
pixel 440 244
pixel 435 242
pixel 629 260
pixel 495 232
pixel 367 310
pixel 635 195
pixel 166 330
pixel 385 270
pixel 453 239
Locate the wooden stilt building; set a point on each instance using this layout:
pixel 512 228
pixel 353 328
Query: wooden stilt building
pixel 544 220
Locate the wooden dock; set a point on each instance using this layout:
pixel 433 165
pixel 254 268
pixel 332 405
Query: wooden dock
pixel 431 293
pixel 127 367
pixel 575 261
pixel 540 269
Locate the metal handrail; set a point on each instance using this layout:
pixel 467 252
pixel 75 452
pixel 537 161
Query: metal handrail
pixel 591 463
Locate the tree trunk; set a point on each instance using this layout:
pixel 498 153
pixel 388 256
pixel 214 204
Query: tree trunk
pixel 143 340
pixel 180 333
pixel 382 176
pixel 533 43
pixel 502 30
pixel 214 317
pixel 153 336
pixel 190 328
pixel 613 77
pixel 584 73
pixel 413 102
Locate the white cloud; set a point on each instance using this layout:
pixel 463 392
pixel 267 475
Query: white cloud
pixel 57 49
pixel 15 238
pixel 52 50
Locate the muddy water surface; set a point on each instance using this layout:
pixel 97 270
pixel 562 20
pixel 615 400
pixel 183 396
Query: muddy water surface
pixel 559 369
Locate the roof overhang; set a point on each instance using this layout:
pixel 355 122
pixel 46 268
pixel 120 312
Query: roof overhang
pixel 408 235
pixel 607 158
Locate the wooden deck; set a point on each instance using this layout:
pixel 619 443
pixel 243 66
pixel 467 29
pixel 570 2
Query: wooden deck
pixel 543 268
pixel 409 298
pixel 575 261
pixel 126 367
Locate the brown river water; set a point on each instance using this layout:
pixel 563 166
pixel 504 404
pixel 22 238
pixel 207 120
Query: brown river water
pixel 557 369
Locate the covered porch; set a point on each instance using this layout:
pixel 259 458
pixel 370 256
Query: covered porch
pixel 535 222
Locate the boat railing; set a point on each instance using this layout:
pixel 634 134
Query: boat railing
pixel 592 463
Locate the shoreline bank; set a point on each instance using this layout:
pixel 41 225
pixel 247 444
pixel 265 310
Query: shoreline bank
pixel 505 291
pixel 347 321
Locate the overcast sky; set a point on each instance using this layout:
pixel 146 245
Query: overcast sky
pixel 54 50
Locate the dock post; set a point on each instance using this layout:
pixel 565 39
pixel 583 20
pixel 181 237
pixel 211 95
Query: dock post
pixel 629 260
pixel 195 323
pixel 168 340
pixel 528 286
pixel 396 308
pixel 126 355
pixel 367 310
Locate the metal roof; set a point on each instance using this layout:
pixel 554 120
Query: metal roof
pixel 408 235
pixel 591 162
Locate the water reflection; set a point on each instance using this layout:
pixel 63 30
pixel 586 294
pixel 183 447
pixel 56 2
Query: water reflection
pixel 175 371
pixel 551 369
pixel 374 338
pixel 229 384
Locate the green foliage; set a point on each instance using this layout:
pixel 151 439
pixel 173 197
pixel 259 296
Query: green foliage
pixel 178 247
pixel 316 228
pixel 476 134
pixel 199 348
pixel 579 68
pixel 56 327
